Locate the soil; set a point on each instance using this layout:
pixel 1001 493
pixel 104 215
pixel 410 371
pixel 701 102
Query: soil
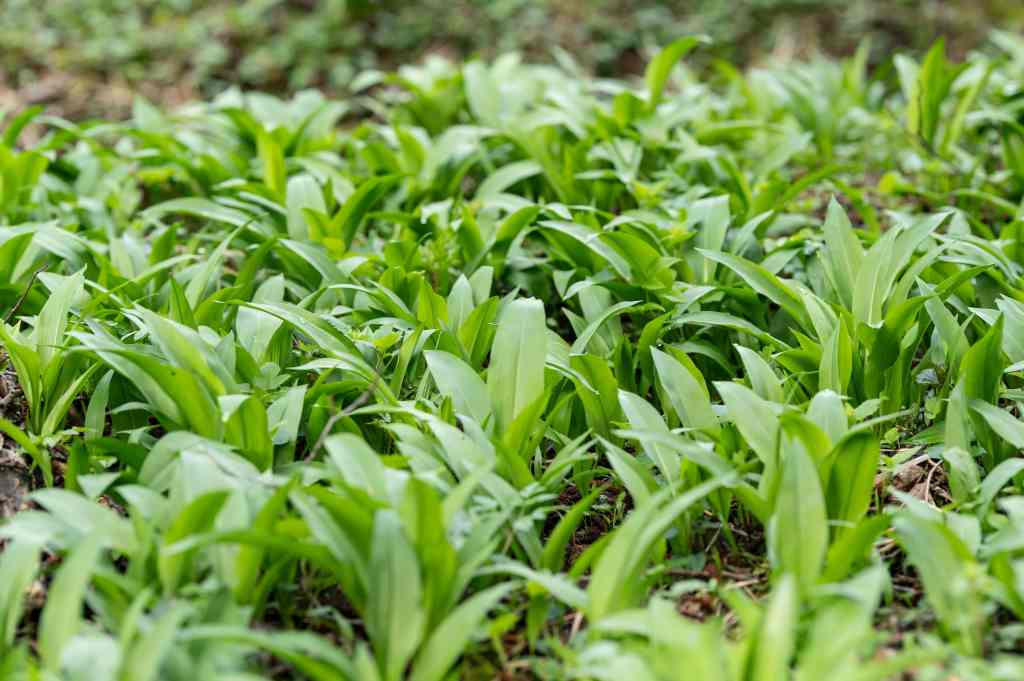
pixel 15 477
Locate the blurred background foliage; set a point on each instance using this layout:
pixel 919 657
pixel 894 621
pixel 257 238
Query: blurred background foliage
pixel 89 57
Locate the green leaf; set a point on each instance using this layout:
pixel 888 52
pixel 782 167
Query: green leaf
pixel 943 563
pixel 883 262
pixel 853 546
pixel 457 381
pixel 506 176
pixel 196 517
pixel 854 464
pixel 311 654
pixel 762 379
pixel 982 372
pixel 346 222
pixel 358 465
pixel 246 427
pixel 48 334
pixel 554 550
pixel 843 253
pixel 90 519
pixel 19 564
pixel 616 583
pixel 765 283
pixel 272 157
pixel 579 346
pixel 144 660
pixel 40 455
pixel 591 240
pixel 776 639
pixel 686 394
pixel 836 364
pixel 798 530
pixel 96 412
pixel 635 476
pixel 303 193
pixel 598 391
pixel 62 614
pixel 642 416
pixel 250 557
pixel 18 123
pixel 658 70
pixel 395 620
pixel 712 318
pixel 205 276
pixel 515 379
pixel 714 217
pixel 755 418
pixel 442 648
pixel 203 208
pixel 934 82
pixel 60 403
pixel 1002 422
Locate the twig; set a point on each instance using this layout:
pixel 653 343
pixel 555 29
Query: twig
pixel 24 294
pixel 363 398
pixel 714 538
pixel 577 621
pixel 928 483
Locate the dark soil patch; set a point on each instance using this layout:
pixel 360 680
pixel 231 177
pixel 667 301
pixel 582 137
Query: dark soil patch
pixel 15 477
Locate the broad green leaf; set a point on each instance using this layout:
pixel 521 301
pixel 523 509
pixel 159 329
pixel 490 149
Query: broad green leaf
pixel 765 283
pixel 981 371
pixel 615 582
pixel 62 615
pixel 579 346
pixel 346 222
pixel 303 193
pixel 442 648
pixel 762 379
pixel 196 517
pixel 843 252
pixel 798 530
pixel 204 208
pixel 592 240
pixel 636 477
pixel 395 620
pixel 246 427
pixel 48 334
pixel 457 381
pixel 205 275
pixel 943 561
pixel 554 548
pixel 1001 421
pixel 515 379
pixel 358 465
pixel 756 419
pixel 855 462
pixel 659 68
pixel 272 157
pixel 776 639
pixel 506 176
pixel 143 663
pixel 642 416
pixel 598 391
pixel 88 518
pixel 19 564
pixel 688 397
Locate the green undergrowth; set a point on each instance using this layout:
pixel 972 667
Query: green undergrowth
pixel 497 371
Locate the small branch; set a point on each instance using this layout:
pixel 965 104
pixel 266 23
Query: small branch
pixel 24 294
pixel 363 398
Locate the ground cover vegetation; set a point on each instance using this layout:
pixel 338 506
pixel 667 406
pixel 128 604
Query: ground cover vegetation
pixel 502 371
pixel 87 58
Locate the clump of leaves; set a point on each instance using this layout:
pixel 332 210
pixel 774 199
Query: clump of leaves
pixel 501 379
